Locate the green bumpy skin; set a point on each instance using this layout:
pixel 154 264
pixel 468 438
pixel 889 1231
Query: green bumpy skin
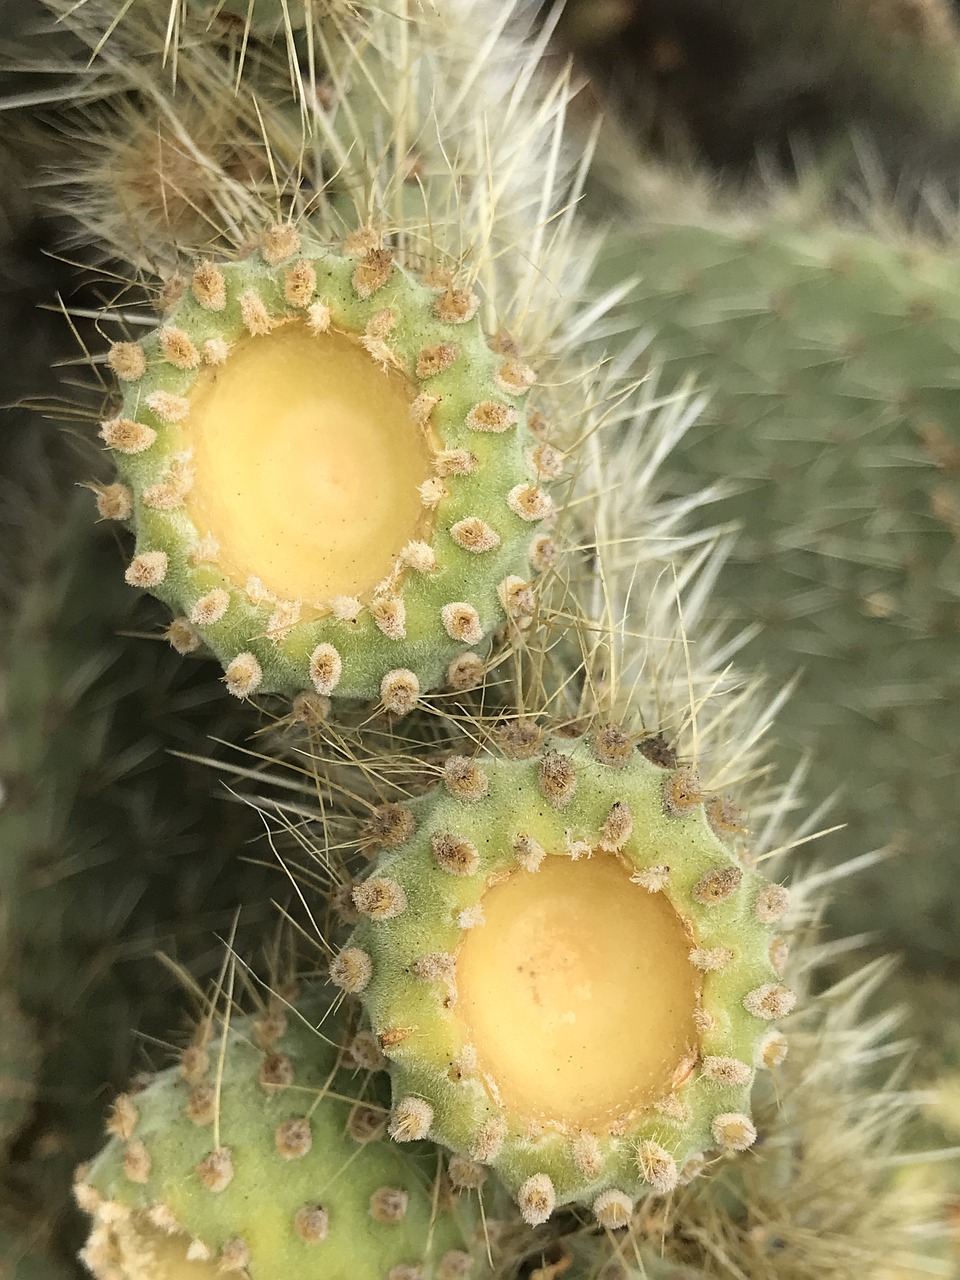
pixel 452 586
pixel 830 356
pixel 498 817
pixel 260 1156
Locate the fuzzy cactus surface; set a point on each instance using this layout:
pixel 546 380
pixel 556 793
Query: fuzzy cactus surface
pixel 368 373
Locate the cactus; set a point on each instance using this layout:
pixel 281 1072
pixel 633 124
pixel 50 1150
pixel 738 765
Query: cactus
pixel 259 1154
pixel 112 849
pixel 401 123
pixel 629 1042
pixel 344 496
pixel 830 356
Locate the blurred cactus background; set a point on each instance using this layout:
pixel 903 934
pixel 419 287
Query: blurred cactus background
pixel 775 193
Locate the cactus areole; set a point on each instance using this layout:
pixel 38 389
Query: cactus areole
pixel 330 473
pixel 571 967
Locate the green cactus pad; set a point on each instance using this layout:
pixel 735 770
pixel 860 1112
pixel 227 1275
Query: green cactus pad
pixel 571 967
pixel 262 1155
pixel 330 473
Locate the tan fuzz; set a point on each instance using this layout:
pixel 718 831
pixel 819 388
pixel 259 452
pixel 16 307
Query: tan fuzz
pixel 147 569
pixel 390 615
pixel 519 739
pixel 517 598
pixel 127 436
pixel 216 1171
pixel 210 608
pixel 612 1209
pixel 717 886
pixel 411 1120
pixel 530 853
pixel 136 1162
pixel 201 1108
pixel 390 825
pixel 536 1200
pixel 326 668
pixel 276 1073
pixel 293 1139
pixel 769 1001
pixel 351 970
pixel 299 285
pixel 255 316
pixel 183 636
pixel 488 1143
pixel 466 1175
pixel 114 501
pixel 734 1131
pixel 279 242
pixel 178 348
pixel 209 287
pixel 400 691
pixel 311 1223
pixel 454 462
pixel 243 676
pixel 379 898
pixel 474 534
pixel 127 361
pixel 389 1205
pixel 726 1071
pixel 168 407
pixel 682 793
pixel 544 553
pixel 558 779
pixel 490 416
pixel 465 672
pixel 123 1117
pixel 771 903
pixel 529 502
pixel 434 360
pixel 462 622
pixel 657 1166
pixel 456 306
pixel 373 272
pixel 455 854
pixel 465 779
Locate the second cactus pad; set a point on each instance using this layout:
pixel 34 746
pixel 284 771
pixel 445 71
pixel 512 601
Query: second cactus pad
pixel 329 471
pixel 571 968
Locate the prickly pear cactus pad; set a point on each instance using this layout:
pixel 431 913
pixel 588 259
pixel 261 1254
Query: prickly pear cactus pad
pixel 571 968
pixel 262 1155
pixel 330 472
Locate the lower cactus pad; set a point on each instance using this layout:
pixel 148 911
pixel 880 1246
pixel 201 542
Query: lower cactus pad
pixel 262 1156
pixel 572 969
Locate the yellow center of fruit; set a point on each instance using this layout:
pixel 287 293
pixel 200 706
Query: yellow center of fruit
pixel 578 993
pixel 142 1251
pixel 306 464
